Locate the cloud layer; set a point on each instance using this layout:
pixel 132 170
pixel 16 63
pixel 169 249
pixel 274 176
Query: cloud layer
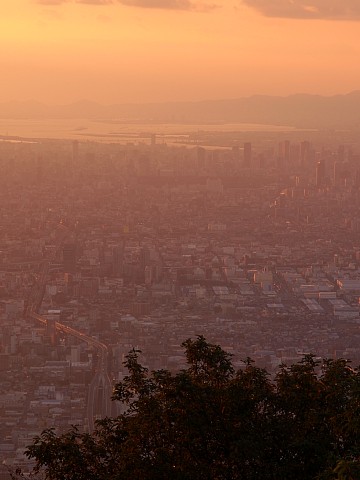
pixel 190 5
pixel 193 5
pixel 164 4
pixel 326 9
pixel 61 2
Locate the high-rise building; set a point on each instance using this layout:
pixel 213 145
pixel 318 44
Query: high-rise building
pixel 337 173
pixel 200 158
pixel 304 153
pixel 247 154
pixel 118 260
pixel 144 261
pixel 75 354
pixel 341 153
pixel 284 152
pixel 357 178
pixel 235 153
pixel 145 255
pixel 39 169
pixel 320 174
pixel 294 157
pixel 69 257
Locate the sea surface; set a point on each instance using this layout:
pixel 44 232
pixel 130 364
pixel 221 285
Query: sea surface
pixel 121 131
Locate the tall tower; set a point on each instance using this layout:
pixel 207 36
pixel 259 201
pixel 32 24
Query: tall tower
pixel 337 173
pixel 247 155
pixel 320 174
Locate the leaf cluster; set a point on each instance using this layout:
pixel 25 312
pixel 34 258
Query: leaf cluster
pixel 209 421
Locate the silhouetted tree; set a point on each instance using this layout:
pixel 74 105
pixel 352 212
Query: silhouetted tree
pixel 209 421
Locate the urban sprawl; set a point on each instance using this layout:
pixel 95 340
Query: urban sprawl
pixel 249 239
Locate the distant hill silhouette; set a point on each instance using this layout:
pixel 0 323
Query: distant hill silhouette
pixel 301 110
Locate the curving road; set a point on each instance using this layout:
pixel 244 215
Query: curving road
pixel 99 403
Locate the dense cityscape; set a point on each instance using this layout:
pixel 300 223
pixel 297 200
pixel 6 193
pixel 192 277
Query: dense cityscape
pixel 250 239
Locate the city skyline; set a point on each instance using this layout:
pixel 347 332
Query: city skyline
pixel 59 51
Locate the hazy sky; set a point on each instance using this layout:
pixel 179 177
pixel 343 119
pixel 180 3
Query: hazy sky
pixel 112 51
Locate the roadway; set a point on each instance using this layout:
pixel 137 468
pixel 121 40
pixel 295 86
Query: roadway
pixel 99 404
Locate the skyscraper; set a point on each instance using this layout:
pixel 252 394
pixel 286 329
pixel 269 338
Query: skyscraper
pixel 304 153
pixel 247 155
pixel 69 257
pixel 118 260
pixel 337 173
pixel 320 174
pixel 284 152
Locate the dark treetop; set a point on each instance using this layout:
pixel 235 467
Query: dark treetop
pixel 209 421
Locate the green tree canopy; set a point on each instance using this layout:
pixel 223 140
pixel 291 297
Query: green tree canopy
pixel 210 421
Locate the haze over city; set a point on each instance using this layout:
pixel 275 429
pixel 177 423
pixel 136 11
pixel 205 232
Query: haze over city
pixel 111 51
pixel 179 239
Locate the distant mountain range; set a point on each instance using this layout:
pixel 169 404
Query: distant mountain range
pixel 301 110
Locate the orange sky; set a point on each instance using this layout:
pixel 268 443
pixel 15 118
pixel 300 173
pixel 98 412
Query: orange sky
pixel 59 51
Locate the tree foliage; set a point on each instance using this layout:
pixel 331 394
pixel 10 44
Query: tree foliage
pixel 209 421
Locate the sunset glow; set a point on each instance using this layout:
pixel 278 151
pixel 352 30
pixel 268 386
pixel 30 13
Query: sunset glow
pixel 124 51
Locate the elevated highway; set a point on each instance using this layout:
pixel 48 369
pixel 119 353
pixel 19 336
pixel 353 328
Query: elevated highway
pixel 99 404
